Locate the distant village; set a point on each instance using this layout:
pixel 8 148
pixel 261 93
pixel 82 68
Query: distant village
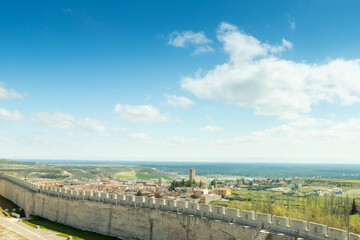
pixel 193 189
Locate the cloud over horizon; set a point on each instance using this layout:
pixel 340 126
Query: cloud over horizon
pixel 140 113
pixel 67 121
pixel 210 129
pixel 305 138
pixel 255 76
pixel 141 136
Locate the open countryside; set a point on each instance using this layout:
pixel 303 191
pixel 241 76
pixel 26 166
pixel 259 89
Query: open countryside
pixel 180 120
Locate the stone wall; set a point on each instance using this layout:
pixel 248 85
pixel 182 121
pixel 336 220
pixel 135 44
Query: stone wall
pixel 134 217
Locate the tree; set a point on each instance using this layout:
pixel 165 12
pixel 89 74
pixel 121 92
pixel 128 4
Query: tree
pixel 200 185
pixel 213 182
pixel 172 186
pixel 139 193
pixel 353 208
pixel 347 213
pixel 183 183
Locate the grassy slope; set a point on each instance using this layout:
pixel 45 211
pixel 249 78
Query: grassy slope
pixel 66 231
pixel 146 176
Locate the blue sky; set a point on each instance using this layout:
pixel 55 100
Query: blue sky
pixel 166 80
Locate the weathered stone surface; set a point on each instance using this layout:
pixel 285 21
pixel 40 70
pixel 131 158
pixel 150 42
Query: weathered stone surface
pixel 130 217
pixel 125 222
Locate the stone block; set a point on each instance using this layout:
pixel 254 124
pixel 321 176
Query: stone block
pixel 104 197
pixel 140 201
pixel 150 202
pixel 298 225
pixel 353 236
pixel 159 203
pixel 182 206
pixel 193 208
pixel 130 200
pixel 280 221
pixel 232 215
pixel 264 219
pixel 218 212
pixel 337 234
pixel 170 205
pixel 205 210
pixel 317 230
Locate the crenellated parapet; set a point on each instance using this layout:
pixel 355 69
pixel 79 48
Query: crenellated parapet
pixel 277 224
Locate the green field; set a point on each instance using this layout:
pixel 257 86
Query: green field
pixel 30 170
pixel 140 175
pixel 306 189
pixel 126 174
pixel 12 162
pixel 348 181
pixel 146 176
pixel 38 172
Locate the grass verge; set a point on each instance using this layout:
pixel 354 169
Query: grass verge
pixel 64 230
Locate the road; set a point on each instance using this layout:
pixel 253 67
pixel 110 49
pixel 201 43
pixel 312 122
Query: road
pixel 16 230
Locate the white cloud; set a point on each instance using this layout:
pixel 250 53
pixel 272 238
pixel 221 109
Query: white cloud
pixel 198 39
pixel 285 45
pixel 182 102
pixel 140 113
pixel 202 49
pixel 319 139
pixel 147 97
pixel 10 116
pixel 119 129
pixel 351 125
pixel 210 129
pixel 179 140
pixel 141 136
pixel 67 10
pixel 8 94
pixel 255 77
pixel 292 23
pixel 69 122
pixel 302 121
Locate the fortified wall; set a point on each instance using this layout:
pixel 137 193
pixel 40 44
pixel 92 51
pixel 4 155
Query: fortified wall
pixel 137 217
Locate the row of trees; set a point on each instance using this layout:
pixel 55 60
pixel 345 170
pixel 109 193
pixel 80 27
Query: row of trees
pixel 54 176
pixel 337 212
pixel 182 183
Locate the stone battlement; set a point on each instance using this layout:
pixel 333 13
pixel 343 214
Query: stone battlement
pixel 292 227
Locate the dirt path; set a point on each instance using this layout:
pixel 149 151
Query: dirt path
pixel 353 191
